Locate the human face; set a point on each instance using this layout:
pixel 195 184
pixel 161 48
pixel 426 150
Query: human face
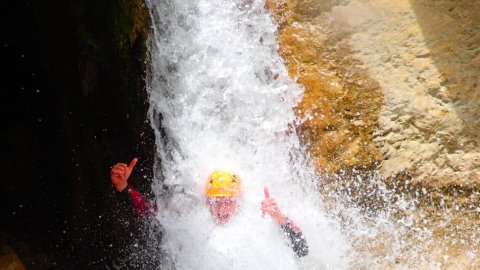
pixel 222 208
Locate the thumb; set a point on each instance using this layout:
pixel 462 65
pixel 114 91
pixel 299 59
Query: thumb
pixel 132 163
pixel 267 194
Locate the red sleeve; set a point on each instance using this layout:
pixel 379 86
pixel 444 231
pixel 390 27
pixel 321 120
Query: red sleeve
pixel 140 206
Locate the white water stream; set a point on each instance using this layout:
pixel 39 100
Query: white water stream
pixel 217 104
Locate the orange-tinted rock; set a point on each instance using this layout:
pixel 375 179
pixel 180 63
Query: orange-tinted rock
pixel 9 260
pixel 340 107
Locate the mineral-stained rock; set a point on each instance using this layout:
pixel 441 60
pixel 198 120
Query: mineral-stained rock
pixel 76 105
pixel 341 104
pixel 394 85
pixel 421 109
pixel 401 77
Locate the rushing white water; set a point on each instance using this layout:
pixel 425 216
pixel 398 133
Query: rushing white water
pixel 218 103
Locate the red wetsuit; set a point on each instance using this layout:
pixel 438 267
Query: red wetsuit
pixel 142 207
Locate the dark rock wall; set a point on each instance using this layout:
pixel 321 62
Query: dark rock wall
pixel 74 103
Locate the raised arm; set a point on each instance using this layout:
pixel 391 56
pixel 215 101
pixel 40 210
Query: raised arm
pixel 292 232
pixel 119 175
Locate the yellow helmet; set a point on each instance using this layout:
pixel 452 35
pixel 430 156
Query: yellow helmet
pixel 222 184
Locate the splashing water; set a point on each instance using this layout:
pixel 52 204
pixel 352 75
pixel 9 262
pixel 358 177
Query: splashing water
pixel 222 99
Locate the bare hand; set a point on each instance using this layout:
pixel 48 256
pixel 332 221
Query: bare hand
pixel 269 206
pixel 120 173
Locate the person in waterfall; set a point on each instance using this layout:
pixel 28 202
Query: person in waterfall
pixel 222 192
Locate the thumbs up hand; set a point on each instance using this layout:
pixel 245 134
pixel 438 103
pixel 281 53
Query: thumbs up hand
pixel 270 207
pixel 120 173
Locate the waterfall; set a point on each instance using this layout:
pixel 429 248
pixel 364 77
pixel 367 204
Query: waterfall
pixel 221 98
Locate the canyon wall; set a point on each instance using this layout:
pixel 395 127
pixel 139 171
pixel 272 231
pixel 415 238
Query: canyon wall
pixel 392 91
pixel 75 104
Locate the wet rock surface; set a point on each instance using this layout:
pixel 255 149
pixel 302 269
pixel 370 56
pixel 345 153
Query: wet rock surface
pixel 391 87
pixel 424 55
pixel 340 108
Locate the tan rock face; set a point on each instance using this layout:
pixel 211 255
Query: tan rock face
pixel 406 76
pixel 395 83
pixel 341 104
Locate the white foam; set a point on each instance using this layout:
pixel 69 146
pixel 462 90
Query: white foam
pixel 221 108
